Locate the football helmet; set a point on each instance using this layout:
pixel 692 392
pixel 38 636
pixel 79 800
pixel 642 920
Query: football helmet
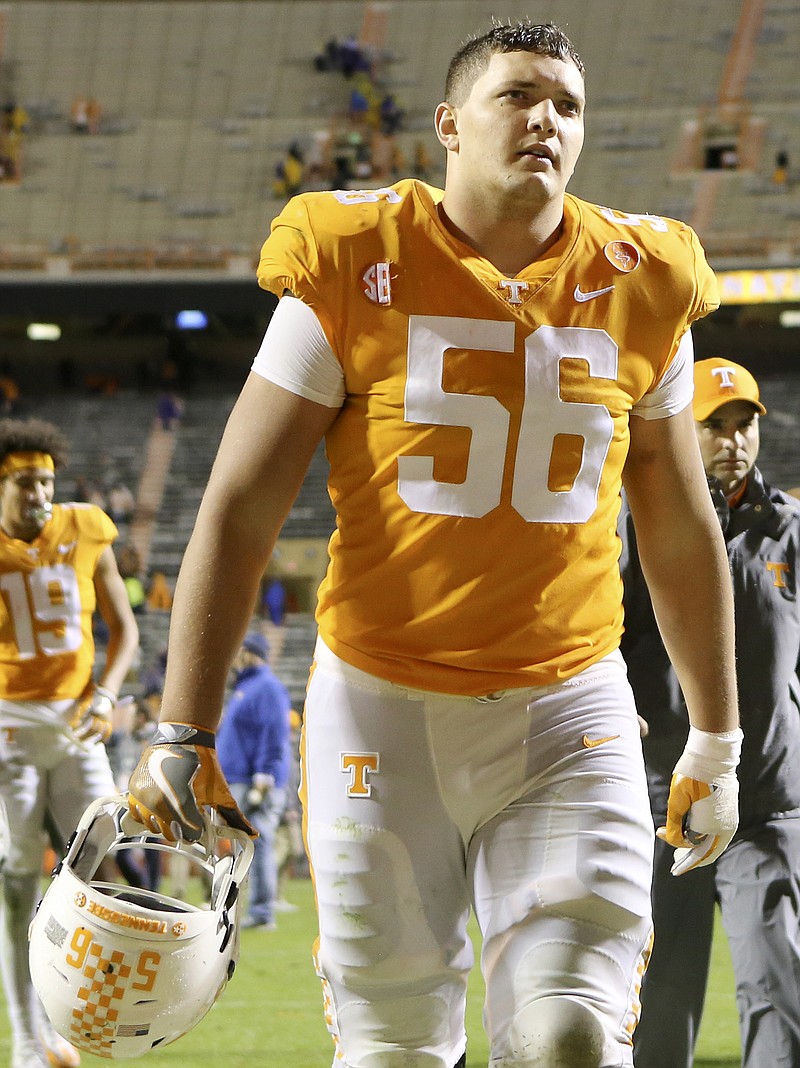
pixel 121 970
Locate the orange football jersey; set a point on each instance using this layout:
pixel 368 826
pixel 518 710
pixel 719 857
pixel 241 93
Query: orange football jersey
pixel 47 602
pixel 476 461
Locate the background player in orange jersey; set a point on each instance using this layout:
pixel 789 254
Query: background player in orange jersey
pixel 56 564
pixel 487 365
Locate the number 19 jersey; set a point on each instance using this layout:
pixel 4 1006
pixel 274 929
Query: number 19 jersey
pixel 47 598
pixel 476 460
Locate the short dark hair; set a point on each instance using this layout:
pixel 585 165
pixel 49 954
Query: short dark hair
pixel 33 435
pixel 472 59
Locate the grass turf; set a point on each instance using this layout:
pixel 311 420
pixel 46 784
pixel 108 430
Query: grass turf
pixel 271 1012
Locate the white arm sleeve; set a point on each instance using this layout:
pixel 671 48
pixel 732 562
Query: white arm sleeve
pixel 675 390
pixel 295 354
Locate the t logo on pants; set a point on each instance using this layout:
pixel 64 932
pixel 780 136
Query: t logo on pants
pixel 359 765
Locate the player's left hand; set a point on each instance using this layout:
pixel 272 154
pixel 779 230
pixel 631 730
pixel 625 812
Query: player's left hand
pixel 91 722
pixel 703 805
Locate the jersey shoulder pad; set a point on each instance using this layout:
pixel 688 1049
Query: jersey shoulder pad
pixel 90 521
pixel 314 234
pixel 652 231
pixel 670 247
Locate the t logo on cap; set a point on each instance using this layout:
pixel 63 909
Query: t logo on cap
pixel 725 375
pixel 717 381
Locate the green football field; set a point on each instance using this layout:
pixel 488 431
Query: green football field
pixel 270 1015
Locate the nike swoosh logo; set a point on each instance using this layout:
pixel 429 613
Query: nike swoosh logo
pixel 154 766
pixel 580 296
pixel 592 743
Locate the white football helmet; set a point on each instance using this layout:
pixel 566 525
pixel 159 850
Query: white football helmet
pixel 121 970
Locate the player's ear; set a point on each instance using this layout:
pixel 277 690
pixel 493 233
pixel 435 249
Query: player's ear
pixel 446 126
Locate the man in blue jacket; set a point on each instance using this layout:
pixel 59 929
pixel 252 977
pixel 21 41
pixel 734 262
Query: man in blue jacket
pixel 757 880
pixel 253 748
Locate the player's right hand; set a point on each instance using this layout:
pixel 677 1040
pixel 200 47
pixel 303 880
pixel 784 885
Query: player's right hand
pixel 177 775
pixel 703 809
pixel 91 721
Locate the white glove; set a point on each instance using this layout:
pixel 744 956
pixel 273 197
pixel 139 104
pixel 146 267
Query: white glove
pixel 703 805
pixel 92 720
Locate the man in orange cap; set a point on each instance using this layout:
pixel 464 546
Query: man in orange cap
pixel 727 408
pixel 756 880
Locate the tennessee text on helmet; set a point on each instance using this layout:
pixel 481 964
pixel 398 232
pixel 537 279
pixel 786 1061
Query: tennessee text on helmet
pixel 119 969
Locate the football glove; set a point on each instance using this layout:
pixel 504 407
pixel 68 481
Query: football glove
pixel 91 721
pixel 703 808
pixel 177 774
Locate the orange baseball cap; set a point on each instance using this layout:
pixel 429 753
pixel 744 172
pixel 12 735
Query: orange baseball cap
pixel 717 381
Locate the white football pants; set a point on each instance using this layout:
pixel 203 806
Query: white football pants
pixel 530 806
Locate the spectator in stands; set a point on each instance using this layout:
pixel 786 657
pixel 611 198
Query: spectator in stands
pixel 88 491
pixel 363 160
pixel 8 169
pixel 780 174
pixel 94 114
pixel 329 57
pixel 130 567
pixel 169 409
pixel 382 148
pixel 421 162
pixel 274 601
pixel 15 120
pixel 9 393
pixel 97 382
pixel 391 116
pixel 318 167
pixel 121 502
pixel 97 495
pixel 358 106
pixel 397 162
pixel 159 595
pixel 756 882
pixel 351 59
pixel 151 677
pixel 344 162
pixel 14 124
pixel 79 114
pixel 290 172
pixel 82 489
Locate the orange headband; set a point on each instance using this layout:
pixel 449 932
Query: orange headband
pixel 18 461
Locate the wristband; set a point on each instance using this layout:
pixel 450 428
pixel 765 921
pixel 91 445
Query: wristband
pixel 172 733
pixel 708 754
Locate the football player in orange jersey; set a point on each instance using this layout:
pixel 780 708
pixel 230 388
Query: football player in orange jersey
pixel 487 364
pixel 56 564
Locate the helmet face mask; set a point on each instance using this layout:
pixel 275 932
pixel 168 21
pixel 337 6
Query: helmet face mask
pixel 118 969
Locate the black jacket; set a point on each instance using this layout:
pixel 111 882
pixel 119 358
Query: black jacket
pixel 763 542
